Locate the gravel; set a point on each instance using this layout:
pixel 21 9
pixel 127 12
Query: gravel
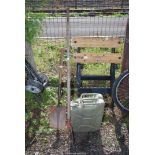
pixel 111 139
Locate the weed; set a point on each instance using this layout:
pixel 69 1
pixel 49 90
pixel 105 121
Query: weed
pixel 47 55
pixel 116 14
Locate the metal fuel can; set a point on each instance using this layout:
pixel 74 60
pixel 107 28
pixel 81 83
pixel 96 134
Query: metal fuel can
pixel 87 112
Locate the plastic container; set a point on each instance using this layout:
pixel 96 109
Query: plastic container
pixel 87 112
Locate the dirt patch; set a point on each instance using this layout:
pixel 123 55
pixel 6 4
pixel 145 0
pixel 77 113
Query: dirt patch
pixel 111 139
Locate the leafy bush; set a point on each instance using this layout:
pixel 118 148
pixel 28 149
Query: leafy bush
pixel 33 25
pixel 36 113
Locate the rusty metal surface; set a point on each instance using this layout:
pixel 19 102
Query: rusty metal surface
pixel 57 117
pixel 125 62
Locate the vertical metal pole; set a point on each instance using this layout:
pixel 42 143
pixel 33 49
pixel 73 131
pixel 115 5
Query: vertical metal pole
pixel 112 71
pixel 68 65
pixel 78 74
pixel 75 4
pixel 78 77
pixel 112 74
pixel 122 3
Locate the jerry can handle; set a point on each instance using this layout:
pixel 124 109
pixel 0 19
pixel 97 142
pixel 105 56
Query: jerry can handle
pixel 89 98
pixel 90 95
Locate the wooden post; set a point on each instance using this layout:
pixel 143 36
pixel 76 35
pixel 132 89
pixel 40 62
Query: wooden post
pixel 125 62
pixel 68 64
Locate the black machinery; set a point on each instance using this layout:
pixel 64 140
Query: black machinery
pixel 34 82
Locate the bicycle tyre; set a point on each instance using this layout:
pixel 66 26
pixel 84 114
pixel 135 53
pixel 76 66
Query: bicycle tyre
pixel 120 92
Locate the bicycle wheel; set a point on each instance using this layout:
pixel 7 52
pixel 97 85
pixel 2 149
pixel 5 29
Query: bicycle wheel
pixel 120 91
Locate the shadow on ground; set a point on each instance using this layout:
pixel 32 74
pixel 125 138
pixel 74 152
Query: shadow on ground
pixel 112 139
pixel 120 135
pixel 87 143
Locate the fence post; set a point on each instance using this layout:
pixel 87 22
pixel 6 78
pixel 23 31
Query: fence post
pixel 125 62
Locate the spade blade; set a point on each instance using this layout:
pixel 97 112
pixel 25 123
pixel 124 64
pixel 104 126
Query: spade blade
pixel 57 117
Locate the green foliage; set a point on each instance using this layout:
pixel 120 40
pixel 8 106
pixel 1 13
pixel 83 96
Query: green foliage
pixel 116 14
pixel 46 55
pixel 34 5
pixel 99 68
pixel 126 121
pixel 36 112
pixel 87 14
pixel 81 14
pixel 33 25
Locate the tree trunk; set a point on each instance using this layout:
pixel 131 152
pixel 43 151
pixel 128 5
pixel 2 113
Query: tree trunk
pixel 29 54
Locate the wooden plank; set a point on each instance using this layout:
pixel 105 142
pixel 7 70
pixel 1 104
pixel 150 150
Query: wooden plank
pixel 96 42
pixel 97 58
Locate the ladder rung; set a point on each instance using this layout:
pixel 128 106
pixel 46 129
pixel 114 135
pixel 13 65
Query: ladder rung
pixel 98 58
pixel 95 77
pixel 95 90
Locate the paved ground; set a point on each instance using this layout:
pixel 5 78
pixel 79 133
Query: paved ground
pixel 85 26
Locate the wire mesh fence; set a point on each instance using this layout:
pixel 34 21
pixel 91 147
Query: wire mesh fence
pixel 85 26
pixel 87 17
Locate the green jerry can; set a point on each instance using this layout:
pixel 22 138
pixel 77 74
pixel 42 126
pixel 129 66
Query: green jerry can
pixel 87 112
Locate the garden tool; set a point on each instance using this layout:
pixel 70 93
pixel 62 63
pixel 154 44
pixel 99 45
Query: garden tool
pixel 58 112
pixel 59 117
